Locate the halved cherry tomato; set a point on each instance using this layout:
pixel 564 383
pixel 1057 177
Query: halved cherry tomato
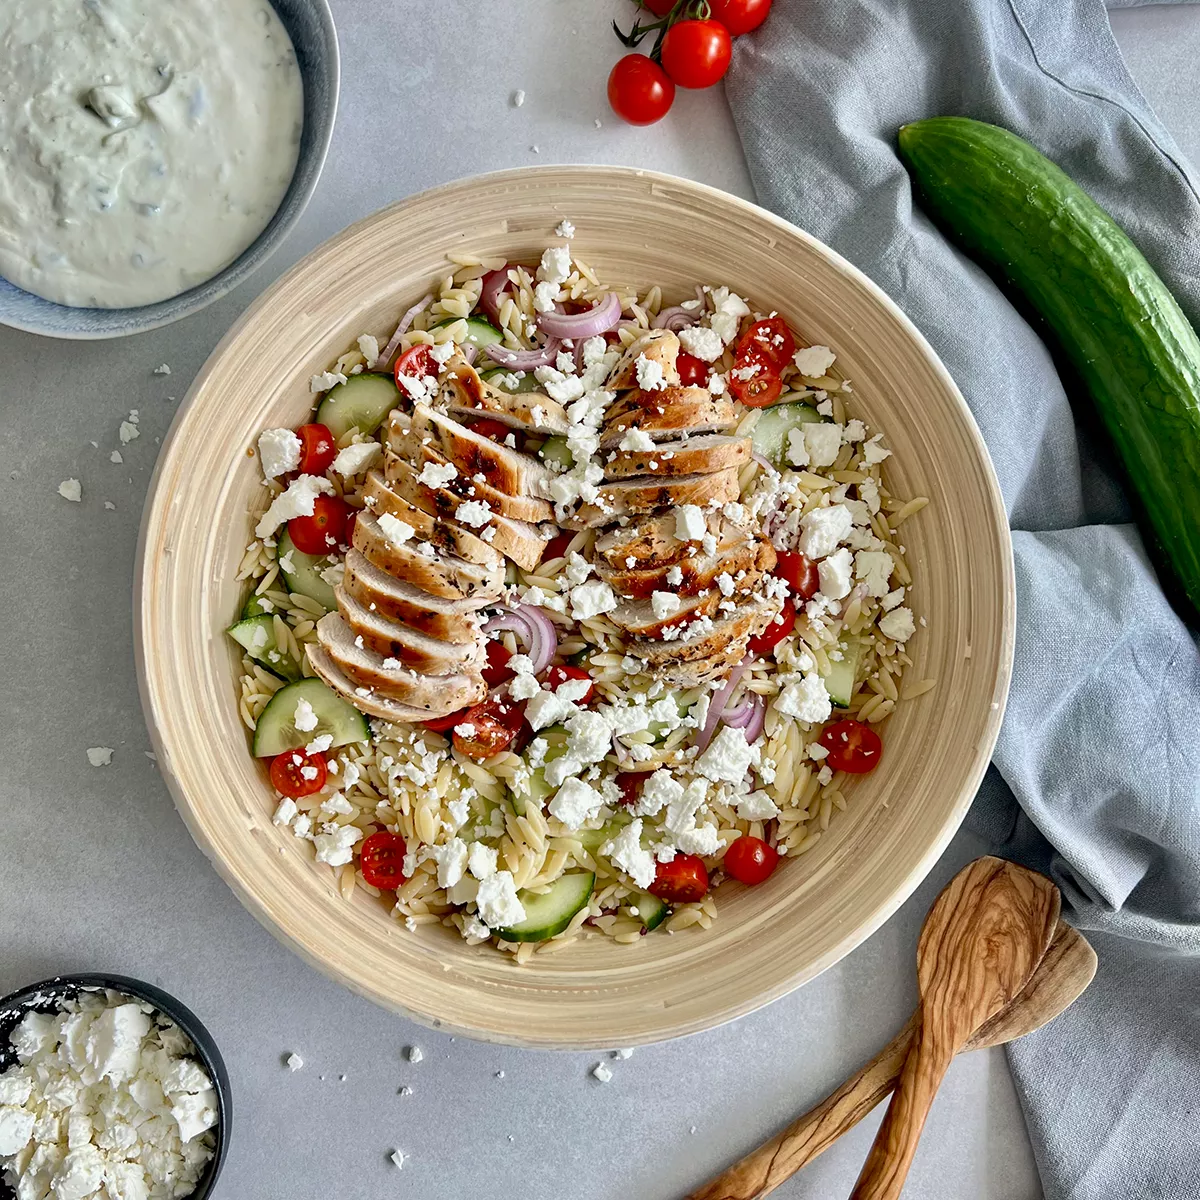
pixel 695 54
pixel 631 784
pixel 639 90
pixel 775 632
pixel 738 16
pixel 493 725
pixel 486 427
pixel 750 860
pixel 317 449
pixel 442 724
pixel 557 676
pixel 382 861
pixel 852 746
pixel 770 340
pixel 683 880
pixel 497 670
pixel 799 572
pixel 761 388
pixel 556 547
pixel 295 773
pixel 325 530
pixel 416 363
pixel 693 371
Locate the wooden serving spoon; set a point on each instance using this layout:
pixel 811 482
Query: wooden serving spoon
pixel 979 946
pixel 1060 978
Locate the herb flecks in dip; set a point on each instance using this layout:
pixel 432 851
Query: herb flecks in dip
pixel 144 146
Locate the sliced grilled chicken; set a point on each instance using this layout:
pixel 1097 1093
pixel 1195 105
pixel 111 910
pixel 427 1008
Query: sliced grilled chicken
pixel 503 468
pixel 667 415
pixel 366 669
pixel 417 651
pixel 727 633
pixel 366 700
pixel 519 540
pixel 638 618
pixel 744 563
pixel 659 346
pixel 443 533
pixel 708 452
pixel 411 450
pixel 628 497
pixel 651 541
pixel 693 672
pixel 423 565
pixel 379 592
pixel 463 394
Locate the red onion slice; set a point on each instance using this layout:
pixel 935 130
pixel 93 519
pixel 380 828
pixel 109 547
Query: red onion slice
pixel 385 355
pixel 491 295
pixel 674 319
pixel 764 462
pixel 716 706
pixel 469 351
pixel 525 360
pixel 599 319
pixel 533 627
pixel 750 715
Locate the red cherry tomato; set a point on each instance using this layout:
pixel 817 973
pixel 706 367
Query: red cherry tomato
pixel 739 16
pixel 382 860
pixel 442 724
pixel 770 341
pixel 852 746
pixel 695 54
pixel 693 372
pixel 317 449
pixel 557 676
pixel 493 725
pixel 639 90
pixel 416 363
pixel 754 380
pixel 660 8
pixel 486 427
pixel 631 784
pixel 295 773
pixel 683 880
pixel 775 632
pixel 325 530
pixel 799 572
pixel 497 670
pixel 556 547
pixel 750 860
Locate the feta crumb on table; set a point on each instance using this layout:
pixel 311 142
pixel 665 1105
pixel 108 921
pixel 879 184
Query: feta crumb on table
pixel 100 756
pixel 415 1054
pixel 294 1062
pixel 602 1073
pixel 518 98
pixel 399 1158
pixel 71 489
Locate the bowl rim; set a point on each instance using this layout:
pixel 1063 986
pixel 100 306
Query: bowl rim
pixel 981 755
pixel 237 272
pixel 170 1006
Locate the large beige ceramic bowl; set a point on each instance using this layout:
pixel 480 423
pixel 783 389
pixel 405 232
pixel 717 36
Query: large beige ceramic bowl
pixel 645 228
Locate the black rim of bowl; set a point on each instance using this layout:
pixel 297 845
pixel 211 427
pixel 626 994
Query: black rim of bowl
pixel 48 994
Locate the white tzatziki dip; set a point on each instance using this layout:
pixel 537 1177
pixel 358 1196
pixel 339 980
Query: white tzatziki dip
pixel 144 144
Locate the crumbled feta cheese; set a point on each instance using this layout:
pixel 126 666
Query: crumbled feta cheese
pixel 817 752
pixel 575 803
pixel 716 384
pixel 674 576
pixel 545 296
pixel 304 718
pixel 337 847
pixel 319 744
pixel 758 806
pixel 278 452
pixel 398 1157
pixel 415 1054
pixel 325 381
pixel 660 790
pixel 728 756
pixel 71 489
pixel 797 446
pixel 665 604
pixel 355 459
pixel 602 1073
pixel 897 625
pixel 823 441
pixel 368 347
pixel 547 708
pixel 451 861
pixel 834 573
pixel 892 599
pixel 566 229
pixel 298 501
pixel 814 361
pixel 474 929
pixel 636 440
pixel 474 513
pixel 873 450
pixel 396 531
pixel 854 431
pixel 874 568
pixel 116 457
pixel 650 376
pixel 99 756
pixel 626 853
pixel 497 901
pixel 128 430
pixel 435 475
pixel 286 813
pixel 162 369
pixel 690 525
pixel 806 699
pixel 703 841
pixel 591 599
pixel 704 344
pixel 681 812
pixel 729 309
pixel 823 529
pixel 590 737
pixel 294 1062
pixel 555 265
pixel 481 861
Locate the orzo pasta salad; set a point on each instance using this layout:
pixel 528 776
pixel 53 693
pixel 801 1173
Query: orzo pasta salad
pixel 568 603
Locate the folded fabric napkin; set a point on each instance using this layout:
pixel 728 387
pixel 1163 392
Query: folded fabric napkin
pixel 1096 776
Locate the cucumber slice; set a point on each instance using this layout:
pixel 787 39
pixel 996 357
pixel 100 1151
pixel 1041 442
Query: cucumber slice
pixel 255 606
pixel 550 912
pixel 527 382
pixel 652 911
pixel 480 333
pixel 592 839
pixel 302 573
pixel 256 635
pixel 843 674
pixel 770 436
pixel 535 790
pixel 660 730
pixel 277 732
pixel 555 452
pixel 360 403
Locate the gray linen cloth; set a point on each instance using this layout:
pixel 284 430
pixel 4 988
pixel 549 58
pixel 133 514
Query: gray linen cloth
pixel 1095 777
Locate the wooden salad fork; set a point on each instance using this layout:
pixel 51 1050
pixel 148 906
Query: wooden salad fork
pixel 1066 970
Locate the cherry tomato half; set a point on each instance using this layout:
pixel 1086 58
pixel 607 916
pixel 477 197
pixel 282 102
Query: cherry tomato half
pixel 416 363
pixel 695 54
pixel 754 379
pixel 497 670
pixel 750 860
pixel 852 746
pixel 683 880
pixel 295 773
pixel 639 90
pixel 493 726
pixel 325 530
pixel 631 784
pixel 382 861
pixel 693 372
pixel 556 547
pixel 775 632
pixel 770 340
pixel 486 427
pixel 317 449
pixel 442 724
pixel 557 676
pixel 739 16
pixel 799 572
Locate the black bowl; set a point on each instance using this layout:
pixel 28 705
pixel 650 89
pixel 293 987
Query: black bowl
pixel 46 996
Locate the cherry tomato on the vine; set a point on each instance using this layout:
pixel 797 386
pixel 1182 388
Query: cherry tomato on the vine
pixel 639 90
pixel 750 860
pixel 695 54
pixel 775 632
pixel 683 880
pixel 738 16
pixel 382 860
pixel 295 773
pixel 799 572
pixel 853 746
pixel 325 530
pixel 660 8
pixel 317 449
pixel 693 372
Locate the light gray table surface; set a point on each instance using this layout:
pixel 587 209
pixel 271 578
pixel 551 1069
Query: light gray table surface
pixel 97 871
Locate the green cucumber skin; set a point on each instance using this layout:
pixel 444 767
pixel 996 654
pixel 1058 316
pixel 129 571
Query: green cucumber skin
pixel 1113 318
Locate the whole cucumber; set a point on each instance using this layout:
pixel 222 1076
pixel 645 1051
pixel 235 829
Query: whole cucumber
pixel 1115 321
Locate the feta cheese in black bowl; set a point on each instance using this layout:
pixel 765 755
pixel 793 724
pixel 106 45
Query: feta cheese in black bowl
pixel 108 1087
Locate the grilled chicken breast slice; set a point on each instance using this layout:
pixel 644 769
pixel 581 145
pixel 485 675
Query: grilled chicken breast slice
pixel 726 632
pixel 650 541
pixel 696 456
pixel 629 497
pixel 364 699
pixel 412 649
pixel 659 346
pixel 744 563
pixel 463 393
pixel 667 415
